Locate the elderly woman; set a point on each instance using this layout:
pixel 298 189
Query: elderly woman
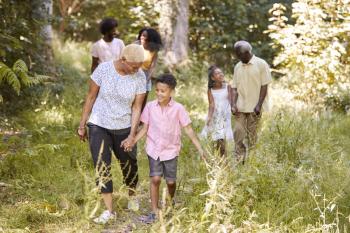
pixel 111 112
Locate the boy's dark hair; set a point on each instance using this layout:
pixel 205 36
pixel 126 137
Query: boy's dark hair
pixel 167 79
pixel 107 24
pixel 153 38
pixel 211 70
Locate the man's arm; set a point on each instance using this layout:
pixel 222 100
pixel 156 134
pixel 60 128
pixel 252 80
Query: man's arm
pixel 265 75
pixel 94 64
pixel 262 95
pixel 234 98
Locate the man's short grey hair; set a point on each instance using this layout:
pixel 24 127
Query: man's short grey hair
pixel 243 46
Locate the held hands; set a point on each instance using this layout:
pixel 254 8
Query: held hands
pixel 81 131
pixel 234 109
pixel 128 143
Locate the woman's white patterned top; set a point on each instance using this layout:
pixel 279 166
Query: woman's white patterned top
pixel 112 107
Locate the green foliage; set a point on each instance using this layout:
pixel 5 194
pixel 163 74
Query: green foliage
pixel 295 179
pixel 19 33
pixel 20 45
pixel 83 24
pixel 8 75
pixel 18 76
pixel 216 25
pixel 315 50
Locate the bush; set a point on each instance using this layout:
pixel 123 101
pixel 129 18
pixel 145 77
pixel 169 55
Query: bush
pixel 314 51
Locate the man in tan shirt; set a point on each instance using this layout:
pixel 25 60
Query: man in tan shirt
pixel 250 80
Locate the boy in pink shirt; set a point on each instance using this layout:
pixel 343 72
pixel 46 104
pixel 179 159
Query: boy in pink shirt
pixel 162 120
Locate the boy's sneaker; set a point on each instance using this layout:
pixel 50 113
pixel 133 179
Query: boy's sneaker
pixel 133 205
pixel 149 219
pixel 105 217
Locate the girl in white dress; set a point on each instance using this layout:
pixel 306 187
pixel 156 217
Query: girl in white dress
pixel 218 124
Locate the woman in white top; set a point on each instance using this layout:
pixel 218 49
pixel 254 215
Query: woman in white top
pixel 219 116
pixel 112 111
pixel 108 48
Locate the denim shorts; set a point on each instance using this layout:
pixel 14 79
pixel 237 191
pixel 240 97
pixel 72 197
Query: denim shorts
pixel 167 169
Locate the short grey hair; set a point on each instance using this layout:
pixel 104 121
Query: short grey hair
pixel 243 46
pixel 133 53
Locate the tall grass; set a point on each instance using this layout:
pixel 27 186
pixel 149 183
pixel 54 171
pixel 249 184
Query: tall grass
pixel 295 180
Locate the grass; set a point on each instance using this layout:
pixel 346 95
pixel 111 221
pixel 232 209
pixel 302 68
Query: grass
pixel 295 179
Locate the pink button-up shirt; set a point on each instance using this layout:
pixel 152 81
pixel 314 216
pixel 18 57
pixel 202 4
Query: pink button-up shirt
pixel 164 129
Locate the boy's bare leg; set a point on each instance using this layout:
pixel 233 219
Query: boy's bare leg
pixel 171 188
pixel 155 183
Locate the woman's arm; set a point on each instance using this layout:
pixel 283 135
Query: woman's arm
pixel 139 135
pixel 135 117
pixel 89 102
pixel 153 66
pixel 211 106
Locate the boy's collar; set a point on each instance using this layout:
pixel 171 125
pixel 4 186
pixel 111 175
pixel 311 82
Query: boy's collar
pixel 171 102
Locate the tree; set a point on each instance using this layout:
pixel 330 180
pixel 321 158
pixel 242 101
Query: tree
pixel 67 8
pixel 42 12
pixel 174 28
pixel 216 25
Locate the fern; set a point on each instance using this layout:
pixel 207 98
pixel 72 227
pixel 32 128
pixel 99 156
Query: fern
pixel 18 76
pixel 8 75
pixel 21 70
pixel 39 78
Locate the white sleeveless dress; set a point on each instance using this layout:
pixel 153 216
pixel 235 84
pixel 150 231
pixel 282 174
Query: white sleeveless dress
pixel 220 127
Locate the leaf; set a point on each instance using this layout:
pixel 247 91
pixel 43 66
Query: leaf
pixel 6 74
pixel 21 70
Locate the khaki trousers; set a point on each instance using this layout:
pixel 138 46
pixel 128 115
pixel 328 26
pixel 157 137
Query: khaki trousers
pixel 245 127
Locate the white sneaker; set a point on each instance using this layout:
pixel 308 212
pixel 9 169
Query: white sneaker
pixel 105 217
pixel 133 205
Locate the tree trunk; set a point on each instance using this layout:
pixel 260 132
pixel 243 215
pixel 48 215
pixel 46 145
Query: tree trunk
pixel 173 27
pixel 42 12
pixel 180 38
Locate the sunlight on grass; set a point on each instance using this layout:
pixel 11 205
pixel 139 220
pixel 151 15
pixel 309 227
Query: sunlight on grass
pixel 76 55
pixel 54 116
